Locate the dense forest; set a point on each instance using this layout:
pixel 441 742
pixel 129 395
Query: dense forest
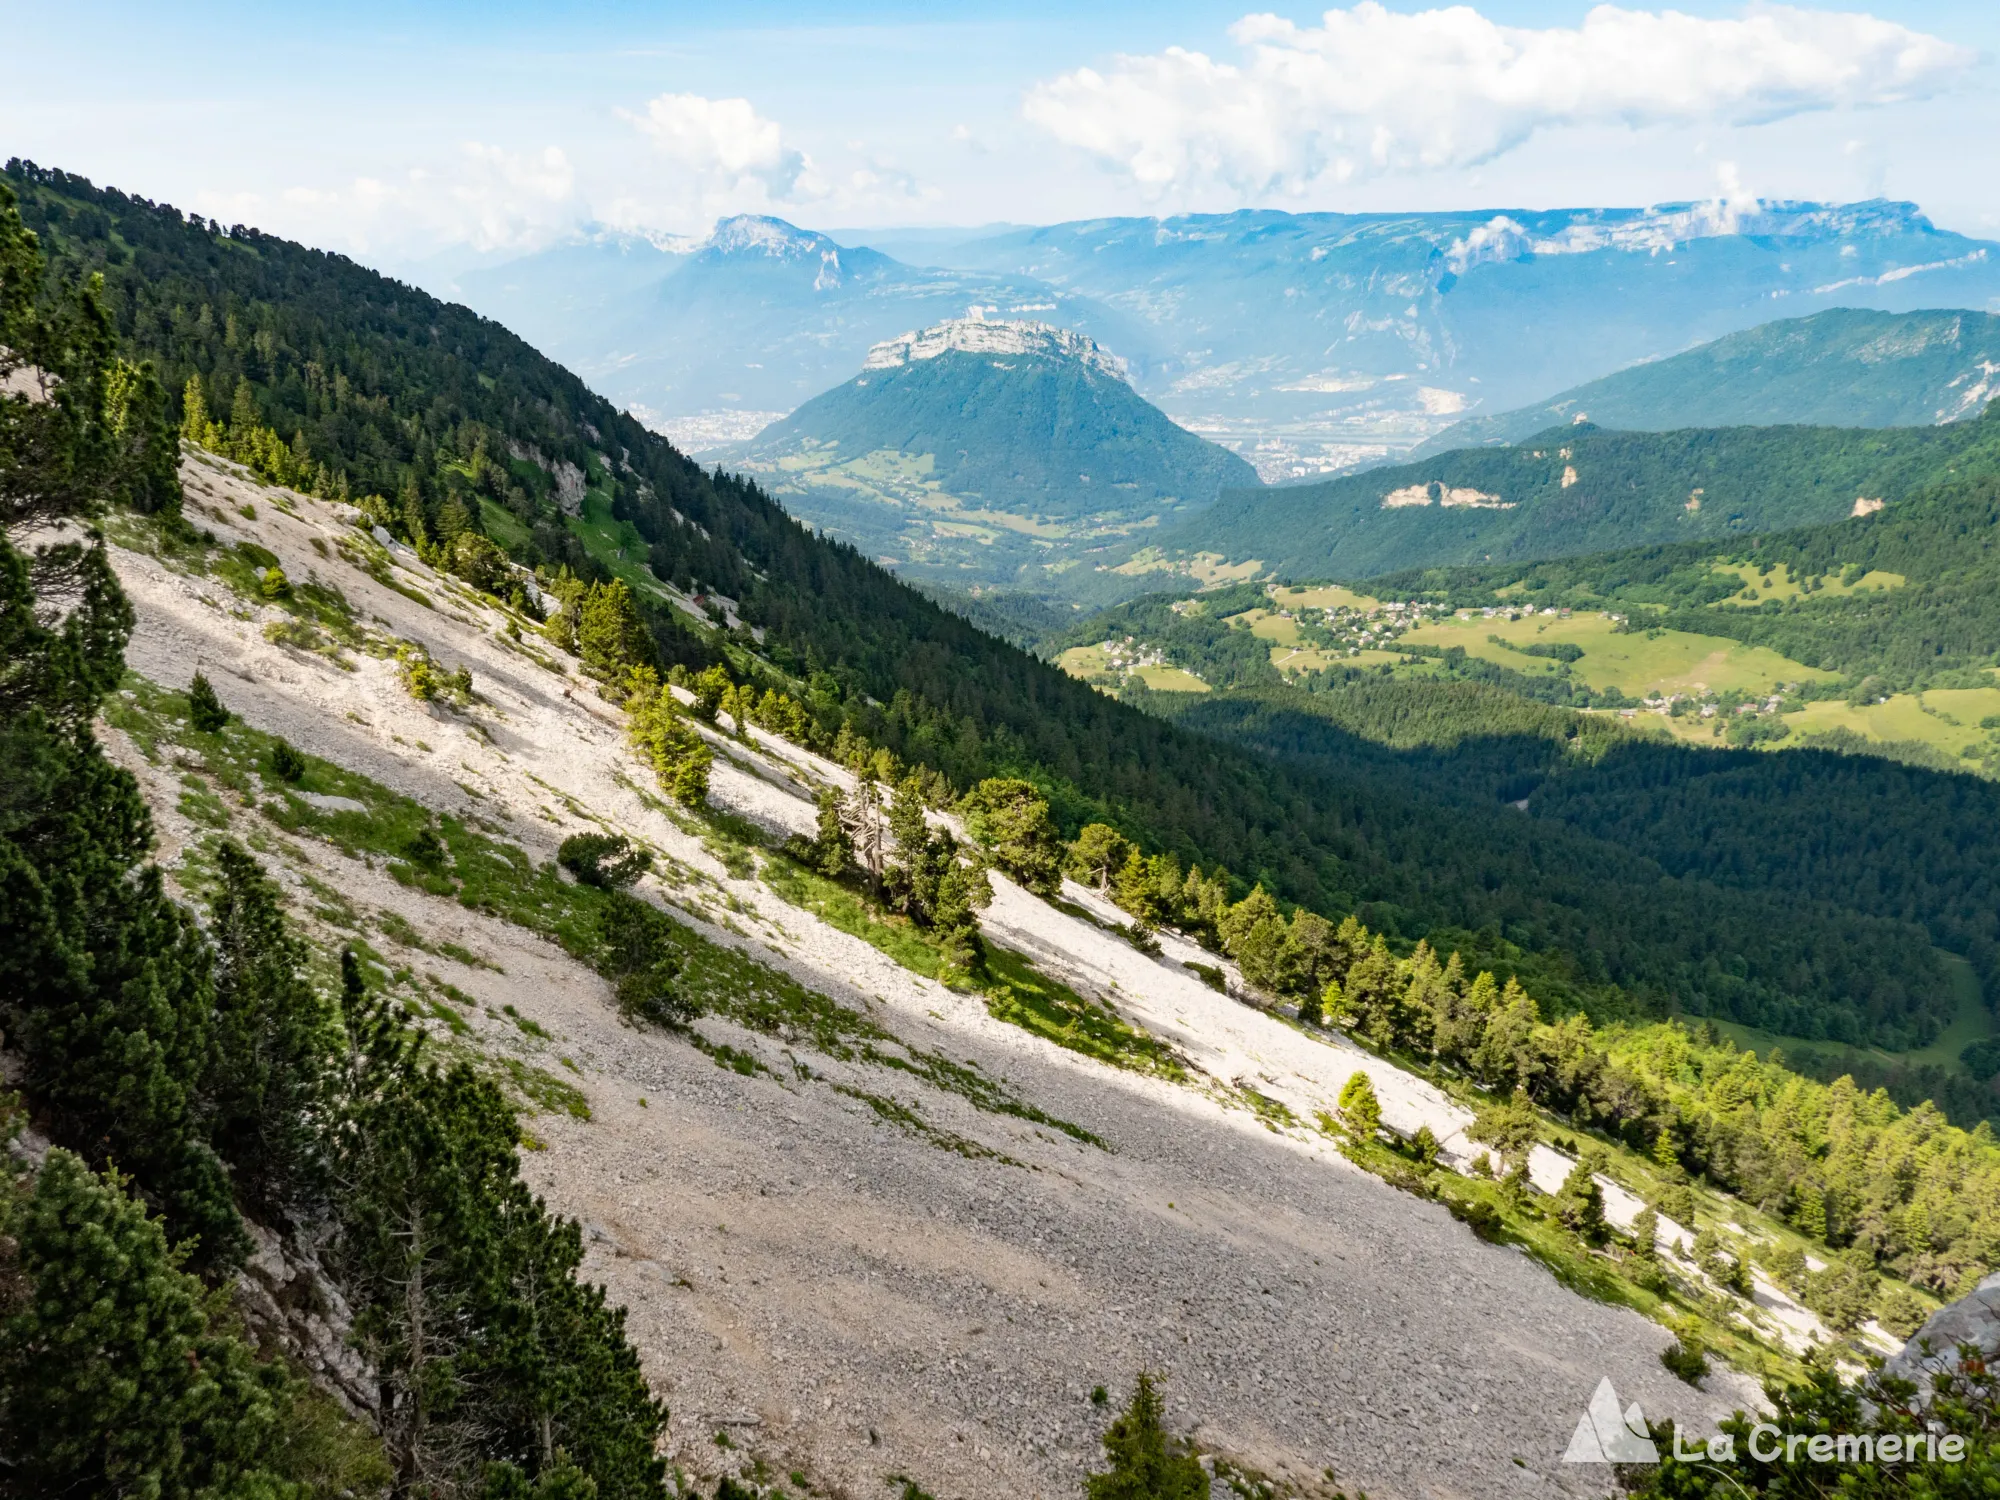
pixel 1579 489
pixel 443 424
pixel 1828 831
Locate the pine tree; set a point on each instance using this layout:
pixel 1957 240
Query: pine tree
pixel 112 1381
pixel 610 636
pixel 833 850
pixel 1098 852
pixel 1010 820
pixel 1145 1463
pixel 1360 1110
pixel 1580 1204
pixel 205 710
pixel 273 1039
pixel 195 421
pixel 1646 1232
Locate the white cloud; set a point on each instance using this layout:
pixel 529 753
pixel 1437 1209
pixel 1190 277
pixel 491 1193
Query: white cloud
pixel 1371 92
pixel 725 145
pixel 487 198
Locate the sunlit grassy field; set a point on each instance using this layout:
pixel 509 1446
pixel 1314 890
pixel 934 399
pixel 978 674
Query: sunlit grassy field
pixel 1779 584
pixel 1665 661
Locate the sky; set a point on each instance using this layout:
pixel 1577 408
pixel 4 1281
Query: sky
pixel 413 134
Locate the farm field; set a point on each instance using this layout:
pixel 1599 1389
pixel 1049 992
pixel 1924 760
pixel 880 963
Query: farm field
pixel 1090 663
pixel 1946 717
pixel 1663 661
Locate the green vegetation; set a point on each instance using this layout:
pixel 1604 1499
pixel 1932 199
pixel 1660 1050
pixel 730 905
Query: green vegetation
pixel 1930 620
pixel 1889 1441
pixel 1145 1464
pixel 976 466
pixel 209 1068
pixel 316 339
pixel 1577 490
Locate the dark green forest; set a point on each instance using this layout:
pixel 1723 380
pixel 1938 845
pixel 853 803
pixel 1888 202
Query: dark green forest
pixel 1580 489
pixel 391 393
pixel 1852 832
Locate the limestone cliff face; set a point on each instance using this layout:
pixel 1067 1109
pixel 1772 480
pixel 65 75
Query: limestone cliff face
pixel 1973 1319
pixel 982 336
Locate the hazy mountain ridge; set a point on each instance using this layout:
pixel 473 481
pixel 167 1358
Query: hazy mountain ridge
pixel 1848 367
pixel 1310 343
pixel 758 317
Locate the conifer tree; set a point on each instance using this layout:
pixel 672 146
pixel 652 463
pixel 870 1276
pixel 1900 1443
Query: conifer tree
pixel 205 710
pixel 112 1381
pixel 273 1039
pixel 1646 1232
pixel 1096 855
pixel 610 636
pixel 1010 820
pixel 1360 1110
pixel 1145 1463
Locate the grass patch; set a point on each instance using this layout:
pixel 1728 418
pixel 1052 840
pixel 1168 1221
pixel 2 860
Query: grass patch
pixel 1019 993
pixel 1015 991
pixel 545 1092
pixel 905 1118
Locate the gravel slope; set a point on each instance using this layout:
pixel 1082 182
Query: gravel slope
pixel 842 1296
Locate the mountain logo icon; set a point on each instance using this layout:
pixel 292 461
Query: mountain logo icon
pixel 1606 1436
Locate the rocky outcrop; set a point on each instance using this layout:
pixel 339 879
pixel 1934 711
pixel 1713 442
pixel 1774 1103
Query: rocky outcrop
pixel 286 1297
pixel 1973 1320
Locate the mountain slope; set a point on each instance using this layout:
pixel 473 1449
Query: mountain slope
pixel 1939 626
pixel 385 389
pixel 1843 368
pixel 998 450
pixel 1574 490
pixel 755 319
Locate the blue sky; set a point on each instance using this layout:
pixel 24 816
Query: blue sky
pixel 402 132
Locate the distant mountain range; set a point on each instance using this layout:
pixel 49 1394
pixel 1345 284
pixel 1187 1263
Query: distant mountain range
pixel 754 320
pixel 1843 368
pixel 1568 491
pixel 988 452
pixel 1307 342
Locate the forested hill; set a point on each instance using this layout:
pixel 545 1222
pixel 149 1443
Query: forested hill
pixel 334 378
pixel 1846 367
pixel 1023 418
pixel 1577 490
pixel 1940 627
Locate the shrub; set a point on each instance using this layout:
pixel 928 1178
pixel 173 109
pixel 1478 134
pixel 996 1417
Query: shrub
pixel 427 682
pixel 1899 1311
pixel 1424 1145
pixel 1685 1358
pixel 287 764
pixel 273 584
pixel 604 860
